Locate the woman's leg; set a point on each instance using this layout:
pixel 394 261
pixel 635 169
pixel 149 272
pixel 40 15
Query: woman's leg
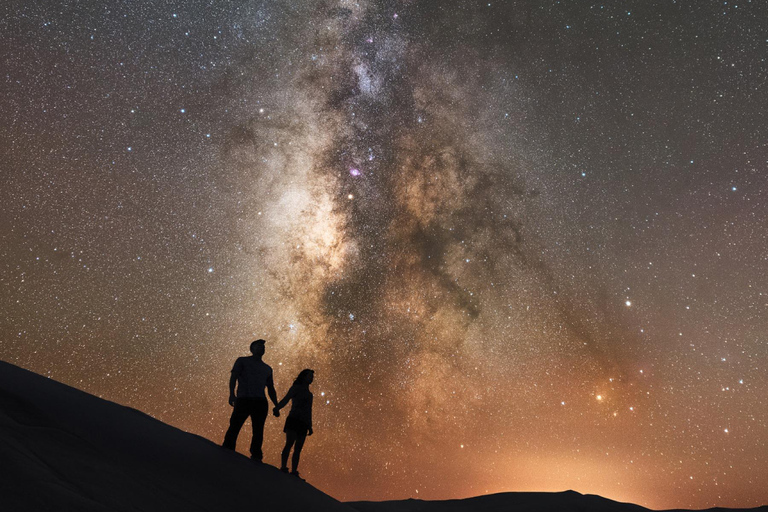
pixel 290 438
pixel 297 450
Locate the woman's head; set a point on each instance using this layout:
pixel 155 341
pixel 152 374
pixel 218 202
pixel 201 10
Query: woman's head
pixel 305 377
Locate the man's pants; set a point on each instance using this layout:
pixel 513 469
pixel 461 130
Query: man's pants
pixel 257 409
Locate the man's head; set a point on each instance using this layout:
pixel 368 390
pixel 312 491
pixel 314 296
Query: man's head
pixel 257 347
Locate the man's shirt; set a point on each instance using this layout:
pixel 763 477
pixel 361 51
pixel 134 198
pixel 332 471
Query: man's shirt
pixel 252 375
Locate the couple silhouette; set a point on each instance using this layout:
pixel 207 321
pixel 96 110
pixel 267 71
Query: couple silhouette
pixel 250 376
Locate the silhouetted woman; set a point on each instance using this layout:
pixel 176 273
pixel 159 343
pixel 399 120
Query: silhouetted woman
pixel 298 425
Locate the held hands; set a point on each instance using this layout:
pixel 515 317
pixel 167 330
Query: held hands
pixel 276 412
pixel 232 400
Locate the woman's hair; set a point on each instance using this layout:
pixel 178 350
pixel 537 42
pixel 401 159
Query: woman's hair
pixel 302 375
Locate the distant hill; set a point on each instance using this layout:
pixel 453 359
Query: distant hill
pixel 65 450
pixel 568 501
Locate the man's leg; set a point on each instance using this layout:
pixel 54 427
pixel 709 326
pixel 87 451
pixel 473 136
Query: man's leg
pixel 239 415
pixel 258 418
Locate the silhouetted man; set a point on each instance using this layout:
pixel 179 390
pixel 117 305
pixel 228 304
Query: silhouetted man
pixel 251 375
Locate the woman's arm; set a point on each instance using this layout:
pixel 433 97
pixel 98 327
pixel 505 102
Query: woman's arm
pixel 311 399
pixel 286 399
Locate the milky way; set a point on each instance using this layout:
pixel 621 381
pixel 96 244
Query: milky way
pixel 521 243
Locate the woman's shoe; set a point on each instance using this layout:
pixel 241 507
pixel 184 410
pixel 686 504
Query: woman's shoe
pixel 296 474
pixel 284 470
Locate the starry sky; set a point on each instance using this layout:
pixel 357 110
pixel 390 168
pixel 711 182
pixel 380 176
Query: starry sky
pixel 522 243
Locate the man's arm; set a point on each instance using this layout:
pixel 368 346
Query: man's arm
pixel 271 390
pixel 232 382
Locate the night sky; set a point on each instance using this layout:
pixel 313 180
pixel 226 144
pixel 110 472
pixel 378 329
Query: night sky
pixel 524 244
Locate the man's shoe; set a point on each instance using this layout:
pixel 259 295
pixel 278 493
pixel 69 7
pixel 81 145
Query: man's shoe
pixel 284 470
pixel 296 474
pixel 256 459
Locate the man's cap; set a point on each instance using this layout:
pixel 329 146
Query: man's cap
pixel 259 341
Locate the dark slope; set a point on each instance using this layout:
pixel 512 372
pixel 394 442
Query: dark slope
pixel 65 450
